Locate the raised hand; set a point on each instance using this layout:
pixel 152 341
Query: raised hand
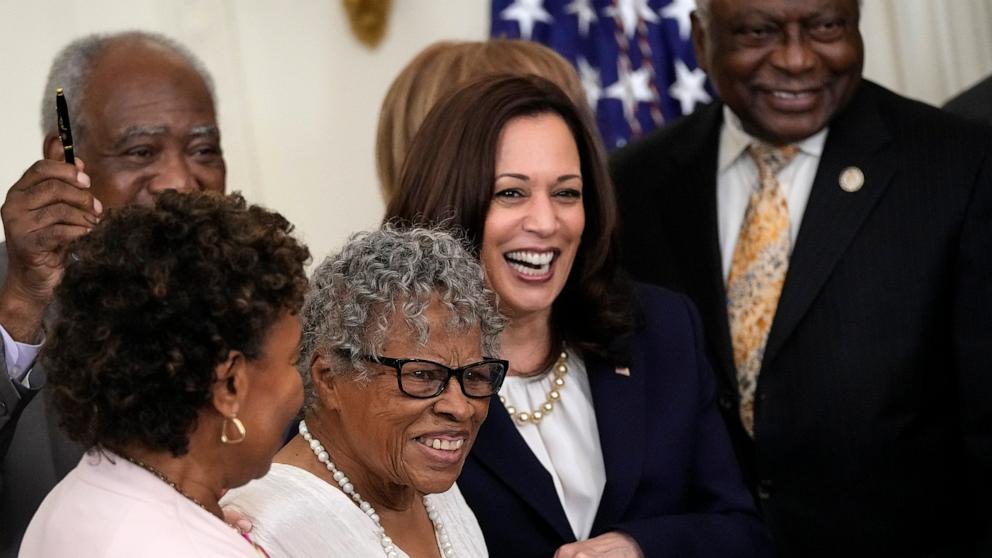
pixel 45 210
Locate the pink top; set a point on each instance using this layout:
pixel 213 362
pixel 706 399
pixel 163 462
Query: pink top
pixel 107 507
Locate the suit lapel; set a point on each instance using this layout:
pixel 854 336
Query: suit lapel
pixel 619 404
pixel 833 216
pixel 696 233
pixel 501 449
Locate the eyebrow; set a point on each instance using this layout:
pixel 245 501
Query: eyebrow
pixel 135 131
pixel 132 132
pixel 204 130
pixel 524 177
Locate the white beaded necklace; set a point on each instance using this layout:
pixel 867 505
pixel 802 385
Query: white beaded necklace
pixel 349 489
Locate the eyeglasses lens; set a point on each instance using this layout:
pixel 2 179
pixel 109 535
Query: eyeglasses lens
pixel 424 379
pixel 478 380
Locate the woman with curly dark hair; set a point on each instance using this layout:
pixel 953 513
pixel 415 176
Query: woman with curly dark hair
pixel 606 440
pixel 173 358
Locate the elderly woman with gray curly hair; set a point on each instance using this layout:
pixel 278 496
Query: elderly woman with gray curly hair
pixel 397 329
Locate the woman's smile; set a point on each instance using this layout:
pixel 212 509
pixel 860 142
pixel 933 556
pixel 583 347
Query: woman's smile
pixel 532 264
pixel 536 217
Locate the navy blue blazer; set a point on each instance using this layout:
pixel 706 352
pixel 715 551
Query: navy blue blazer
pixel 672 481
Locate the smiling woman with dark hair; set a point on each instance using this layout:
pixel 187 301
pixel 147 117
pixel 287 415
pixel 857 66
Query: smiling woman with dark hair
pixel 606 440
pixel 172 358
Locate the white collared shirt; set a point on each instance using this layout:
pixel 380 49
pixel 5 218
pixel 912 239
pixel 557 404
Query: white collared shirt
pixel 737 178
pixel 566 442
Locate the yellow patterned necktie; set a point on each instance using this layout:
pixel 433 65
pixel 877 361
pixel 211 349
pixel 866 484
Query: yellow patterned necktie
pixel 757 272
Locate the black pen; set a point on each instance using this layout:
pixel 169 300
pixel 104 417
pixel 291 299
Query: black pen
pixel 65 132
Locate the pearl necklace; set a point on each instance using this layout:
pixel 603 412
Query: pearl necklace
pixel 554 396
pixel 349 489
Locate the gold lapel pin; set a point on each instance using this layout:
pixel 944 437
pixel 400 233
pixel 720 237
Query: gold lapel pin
pixel 851 179
pixel 623 371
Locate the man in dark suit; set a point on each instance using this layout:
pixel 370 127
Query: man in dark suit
pixel 143 119
pixel 854 344
pixel 974 103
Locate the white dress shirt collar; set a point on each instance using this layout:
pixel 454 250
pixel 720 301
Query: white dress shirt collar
pixel 737 178
pixel 734 141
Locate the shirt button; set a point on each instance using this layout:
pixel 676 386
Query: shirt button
pixel 764 489
pixel 726 401
pixel 3 409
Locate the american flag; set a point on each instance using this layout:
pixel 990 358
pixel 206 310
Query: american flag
pixel 635 57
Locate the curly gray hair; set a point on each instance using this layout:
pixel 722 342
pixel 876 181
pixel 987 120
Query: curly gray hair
pixel 385 274
pixel 72 65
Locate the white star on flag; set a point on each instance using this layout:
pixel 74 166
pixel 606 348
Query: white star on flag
pixel 631 12
pixel 630 89
pixel 584 12
pixel 679 10
pixel 634 58
pixel 688 87
pixel 590 82
pixel 526 13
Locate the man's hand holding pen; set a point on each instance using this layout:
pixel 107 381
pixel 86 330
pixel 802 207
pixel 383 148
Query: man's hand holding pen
pixel 45 210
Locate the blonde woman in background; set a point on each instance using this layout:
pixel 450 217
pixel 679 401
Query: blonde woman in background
pixel 444 67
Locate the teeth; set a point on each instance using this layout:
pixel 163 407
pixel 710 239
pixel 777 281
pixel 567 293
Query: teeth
pixel 439 444
pixel 530 270
pixel 530 263
pixel 790 95
pixel 533 258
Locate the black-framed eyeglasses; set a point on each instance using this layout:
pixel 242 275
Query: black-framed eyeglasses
pixel 424 379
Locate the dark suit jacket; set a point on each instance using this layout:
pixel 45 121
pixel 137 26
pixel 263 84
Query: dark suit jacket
pixel 671 479
pixel 873 430
pixel 974 103
pixel 34 454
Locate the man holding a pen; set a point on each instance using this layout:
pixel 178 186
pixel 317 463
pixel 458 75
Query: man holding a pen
pixel 143 119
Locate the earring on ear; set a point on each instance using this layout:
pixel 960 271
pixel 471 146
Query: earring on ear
pixel 238 425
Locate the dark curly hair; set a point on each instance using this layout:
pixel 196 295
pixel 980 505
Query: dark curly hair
pixel 152 300
pixel 449 175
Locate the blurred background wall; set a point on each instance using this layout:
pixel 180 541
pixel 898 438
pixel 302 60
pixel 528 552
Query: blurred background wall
pixel 299 95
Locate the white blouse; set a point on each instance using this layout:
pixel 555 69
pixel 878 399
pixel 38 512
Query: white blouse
pixel 566 441
pixel 296 514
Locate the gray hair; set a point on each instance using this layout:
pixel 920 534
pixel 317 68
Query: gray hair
pixel 384 275
pixel 703 10
pixel 72 65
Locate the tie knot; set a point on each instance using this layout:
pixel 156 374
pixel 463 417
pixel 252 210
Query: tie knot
pixel 771 159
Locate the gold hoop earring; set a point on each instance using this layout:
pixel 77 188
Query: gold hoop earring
pixel 238 425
